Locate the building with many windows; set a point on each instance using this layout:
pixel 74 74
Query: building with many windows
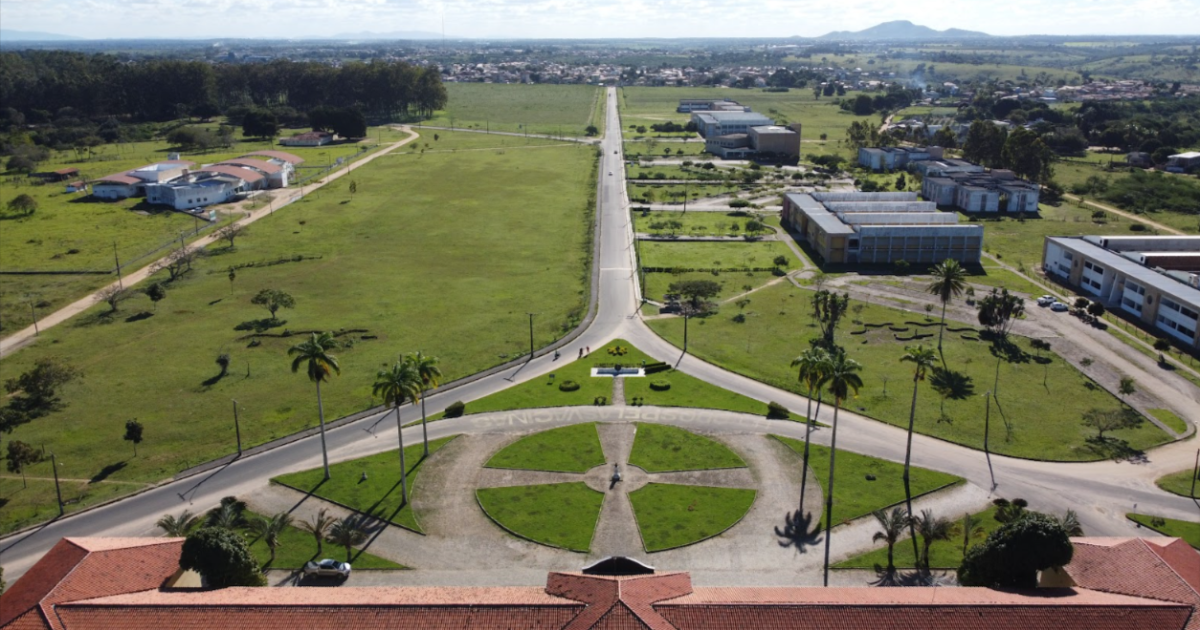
pixel 1154 279
pixel 710 124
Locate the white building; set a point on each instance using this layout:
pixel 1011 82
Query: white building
pixel 133 182
pixel 711 124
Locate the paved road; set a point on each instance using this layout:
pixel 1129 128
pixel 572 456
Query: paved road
pixel 1100 492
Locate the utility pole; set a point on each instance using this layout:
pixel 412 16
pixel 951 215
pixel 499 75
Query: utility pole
pixel 1195 473
pixel 33 314
pixel 685 322
pixel 531 334
pixel 237 427
pixel 120 280
pixel 57 490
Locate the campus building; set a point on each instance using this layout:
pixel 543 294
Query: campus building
pixel 716 123
pixel 880 228
pixel 689 105
pixel 765 140
pixel 135 584
pixel 1154 279
pixel 895 158
pixel 959 184
pixel 177 184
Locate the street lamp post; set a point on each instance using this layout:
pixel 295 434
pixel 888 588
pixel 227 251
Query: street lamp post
pixel 237 426
pixel 531 334
pixel 685 322
pixel 57 490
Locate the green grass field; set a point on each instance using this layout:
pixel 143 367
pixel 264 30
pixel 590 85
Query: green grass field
pixel 732 283
pixel 379 494
pixel 1179 483
pixel 1189 531
pixel 654 149
pixel 397 262
pixel 714 255
pixel 574 448
pixel 297 547
pixel 564 110
pixel 661 448
pixel 1027 419
pixel 674 193
pixel 559 515
pixel 854 495
pixel 670 516
pixel 1018 242
pixel 22 506
pixel 943 554
pixel 1168 417
pixel 693 223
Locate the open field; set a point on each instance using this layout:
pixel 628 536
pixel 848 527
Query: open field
pixel 21 506
pixel 692 223
pixel 943 554
pixel 670 515
pixel 560 515
pixel 854 495
pixel 1168 417
pixel 714 255
pixel 1179 483
pixel 1019 242
pixel 395 262
pixel 1027 418
pixel 662 448
pixel 378 494
pixel 654 149
pixel 649 192
pixel 297 547
pixel 543 109
pixel 574 448
pixel 733 283
pixel 1189 531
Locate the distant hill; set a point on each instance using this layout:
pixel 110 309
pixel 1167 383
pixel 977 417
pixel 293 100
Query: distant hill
pixel 367 35
pixel 903 29
pixel 35 36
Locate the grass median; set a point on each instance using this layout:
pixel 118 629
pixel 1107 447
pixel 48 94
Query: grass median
pixel 559 515
pixel 670 515
pixel 661 448
pixel 1189 531
pixel 573 449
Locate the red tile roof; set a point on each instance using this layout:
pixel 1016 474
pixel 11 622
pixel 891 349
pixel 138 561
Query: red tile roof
pixel 279 155
pixel 1154 568
pixel 261 165
pixel 246 174
pixel 119 178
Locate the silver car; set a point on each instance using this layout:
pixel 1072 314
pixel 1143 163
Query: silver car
pixel 327 568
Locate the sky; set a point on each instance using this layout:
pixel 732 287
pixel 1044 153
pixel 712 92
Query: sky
pixel 553 19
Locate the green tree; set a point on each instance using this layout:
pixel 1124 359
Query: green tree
pixel 1070 523
pixel 922 359
pixel 780 261
pixel 1105 420
pixel 35 392
pixel 949 280
pixel 113 296
pixel 178 526
pixel 591 130
pixel 319 526
pixel 157 293
pixel 841 379
pixel 998 311
pixel 260 123
pixel 985 144
pixel 319 363
pixel 22 204
pixel 812 365
pixel 931 529
pixel 1028 156
pixel 133 433
pixel 970 528
pixel 1128 386
pixel 347 533
pixel 230 514
pixel 1013 554
pixel 1010 511
pixel 431 377
pixel 273 300
pixel 221 557
pixel 828 309
pixel 20 455
pixel 396 386
pixel 945 138
pixel 891 529
pixel 696 293
pixel 270 529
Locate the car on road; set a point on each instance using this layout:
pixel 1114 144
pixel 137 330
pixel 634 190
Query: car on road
pixel 327 568
pixel 1046 300
pixel 1059 307
pixel 610 172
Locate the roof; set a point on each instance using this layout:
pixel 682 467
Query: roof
pixel 771 129
pixel 1155 568
pixel 261 165
pixel 118 178
pixel 279 155
pixel 247 174
pixel 1187 156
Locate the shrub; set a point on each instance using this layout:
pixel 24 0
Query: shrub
pixel 455 409
pixel 1137 227
pixel 654 368
pixel 660 385
pixel 739 203
pixel 568 386
pixel 600 401
pixel 776 411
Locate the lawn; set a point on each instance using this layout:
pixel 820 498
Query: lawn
pixel 670 516
pixel 1189 531
pixel 574 448
pixel 732 282
pixel 297 547
pixel 517 108
pixel 559 515
pixel 689 391
pixel 1027 419
pixel 379 494
pixel 646 191
pixel 691 223
pixel 1179 483
pixel 654 149
pixel 1018 242
pixel 943 554
pixel 855 495
pixel 661 448
pixel 22 506
pixel 1168 417
pixel 396 263
pixel 715 255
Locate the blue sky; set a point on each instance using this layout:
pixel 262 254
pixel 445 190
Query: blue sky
pixel 588 18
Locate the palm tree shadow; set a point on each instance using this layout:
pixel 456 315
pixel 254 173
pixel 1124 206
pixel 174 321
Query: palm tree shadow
pixel 799 531
pixel 897 577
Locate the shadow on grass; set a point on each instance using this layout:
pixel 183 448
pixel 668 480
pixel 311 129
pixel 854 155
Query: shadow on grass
pixel 137 317
pixel 910 577
pixel 1116 449
pixel 107 471
pixel 260 325
pixel 799 531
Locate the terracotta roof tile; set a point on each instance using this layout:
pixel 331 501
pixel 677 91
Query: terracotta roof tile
pixel 782 617
pixel 247 174
pixel 86 617
pixel 118 178
pixel 358 596
pixel 290 158
pixel 261 165
pixel 1150 568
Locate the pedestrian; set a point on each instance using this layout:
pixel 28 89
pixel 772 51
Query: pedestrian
pixel 589 349
pixel 581 353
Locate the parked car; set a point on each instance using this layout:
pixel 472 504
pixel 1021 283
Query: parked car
pixel 1059 307
pixel 327 568
pixel 1046 300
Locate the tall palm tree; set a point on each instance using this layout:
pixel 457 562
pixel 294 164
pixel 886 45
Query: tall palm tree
pixel 178 526
pixel 320 365
pixel 319 526
pixel 269 530
pixel 931 529
pixel 840 379
pixel 399 384
pixel 892 524
pixel 347 532
pixel 431 376
pixel 922 359
pixel 948 283
pixel 812 364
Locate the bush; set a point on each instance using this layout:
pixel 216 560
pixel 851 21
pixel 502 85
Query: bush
pixel 739 203
pixel 660 385
pixel 654 368
pixel 1137 227
pixel 776 411
pixel 455 409
pixel 568 386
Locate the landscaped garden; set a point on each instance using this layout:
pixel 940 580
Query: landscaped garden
pixel 297 547
pixel 662 448
pixel 560 515
pixel 574 448
pixel 1189 531
pixel 670 515
pixel 943 554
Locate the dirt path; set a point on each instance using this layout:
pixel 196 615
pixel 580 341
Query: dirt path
pixel 23 337
pixel 1128 215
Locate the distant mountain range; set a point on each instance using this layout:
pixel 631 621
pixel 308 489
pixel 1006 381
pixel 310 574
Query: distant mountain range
pixel 35 36
pixel 367 35
pixel 902 29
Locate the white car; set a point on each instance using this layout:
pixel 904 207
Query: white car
pixel 610 172
pixel 327 568
pixel 1059 307
pixel 1046 300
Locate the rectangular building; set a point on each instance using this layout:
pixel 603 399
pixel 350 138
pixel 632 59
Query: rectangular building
pixel 1155 279
pixel 895 158
pixel 776 140
pixel 689 105
pixel 710 123
pixel 983 192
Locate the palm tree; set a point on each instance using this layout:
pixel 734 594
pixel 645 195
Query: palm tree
pixel 229 515
pixel 949 282
pixel 1070 523
pixel 347 532
pixel 178 526
pixel 319 526
pixel 893 528
pixel 402 382
pixel 319 364
pixel 431 377
pixel 841 379
pixel 269 530
pixel 931 529
pixel 970 528
pixel 922 359
pixel 812 364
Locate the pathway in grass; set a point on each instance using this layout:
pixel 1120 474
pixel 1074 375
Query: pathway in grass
pixel 379 493
pixel 943 554
pixel 1180 483
pixel 574 448
pixel 560 515
pixel 671 515
pixel 1187 530
pixel 662 448
pixel 297 546
pixel 865 484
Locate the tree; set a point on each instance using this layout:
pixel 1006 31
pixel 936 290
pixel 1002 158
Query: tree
pixel 220 556
pixel 177 262
pixel 431 376
pixel 396 386
pixel 178 526
pixel 901 182
pixel 862 105
pixel 230 514
pixel 841 378
pixel 1128 386
pixel 1162 345
pixel 696 293
pixel 273 300
pixel 113 295
pixel 1070 523
pixel 970 528
pixel 156 292
pixel 353 187
pixel 34 393
pixel 812 365
pixel 892 528
pixel 985 144
pixel 1104 420
pixel 591 130
pixel 828 309
pixel 1096 310
pixel 133 433
pixel 260 123
pixel 945 138
pixel 19 456
pixel 22 204
pixel 998 311
pixel 348 532
pixel 931 529
pixel 1028 156
pixel 922 360
pixel 319 364
pixel 270 529
pixel 318 526
pixel 1013 554
pixel 231 232
pixel 1009 511
pixel 949 280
